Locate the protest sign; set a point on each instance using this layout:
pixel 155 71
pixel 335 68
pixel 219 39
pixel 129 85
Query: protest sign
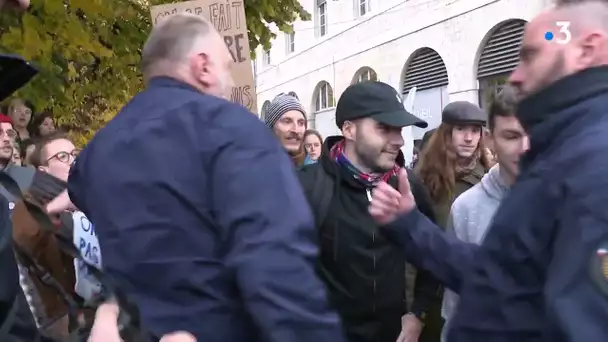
pixel 228 17
pixel 85 239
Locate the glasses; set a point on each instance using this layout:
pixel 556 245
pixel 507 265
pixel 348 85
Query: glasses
pixel 64 156
pixel 11 133
pixel 22 110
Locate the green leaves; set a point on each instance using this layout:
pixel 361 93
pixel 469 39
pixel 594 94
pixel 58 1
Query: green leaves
pixel 88 52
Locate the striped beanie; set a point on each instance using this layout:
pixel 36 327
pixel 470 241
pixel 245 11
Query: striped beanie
pixel 282 104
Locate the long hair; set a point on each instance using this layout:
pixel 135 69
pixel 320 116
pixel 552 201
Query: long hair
pixel 436 166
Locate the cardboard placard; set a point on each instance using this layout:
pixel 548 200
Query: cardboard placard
pixel 228 17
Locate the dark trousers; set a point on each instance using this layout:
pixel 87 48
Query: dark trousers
pixel 433 326
pixel 384 326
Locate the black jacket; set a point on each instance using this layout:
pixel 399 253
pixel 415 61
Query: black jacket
pixel 363 271
pixel 16 320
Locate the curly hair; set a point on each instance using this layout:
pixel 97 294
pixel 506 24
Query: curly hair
pixel 437 163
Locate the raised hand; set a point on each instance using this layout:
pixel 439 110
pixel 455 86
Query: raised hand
pixel 387 202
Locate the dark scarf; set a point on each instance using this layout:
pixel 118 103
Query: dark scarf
pixel 367 179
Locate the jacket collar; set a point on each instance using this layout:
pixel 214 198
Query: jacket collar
pixel 547 113
pixel 166 81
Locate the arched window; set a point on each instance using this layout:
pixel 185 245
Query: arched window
pixel 424 70
pixel 365 74
pixel 498 57
pixel 323 96
pixel 264 109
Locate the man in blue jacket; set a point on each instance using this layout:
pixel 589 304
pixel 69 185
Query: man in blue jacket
pixel 541 273
pixel 200 217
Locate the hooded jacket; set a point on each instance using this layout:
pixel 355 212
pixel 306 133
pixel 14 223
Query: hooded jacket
pixel 470 217
pixel 363 271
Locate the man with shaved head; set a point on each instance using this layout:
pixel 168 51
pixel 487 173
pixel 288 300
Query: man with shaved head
pixel 199 215
pixel 541 272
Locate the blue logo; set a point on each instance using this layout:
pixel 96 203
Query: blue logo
pixel 549 35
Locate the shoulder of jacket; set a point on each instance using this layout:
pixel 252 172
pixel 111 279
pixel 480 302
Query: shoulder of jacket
pixel 468 199
pixel 309 172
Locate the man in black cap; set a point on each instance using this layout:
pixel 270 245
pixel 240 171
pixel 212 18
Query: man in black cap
pixel 364 272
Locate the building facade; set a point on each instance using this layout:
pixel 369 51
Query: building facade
pixel 449 50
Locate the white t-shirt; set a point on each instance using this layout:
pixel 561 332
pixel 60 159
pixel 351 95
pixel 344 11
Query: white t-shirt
pixel 85 239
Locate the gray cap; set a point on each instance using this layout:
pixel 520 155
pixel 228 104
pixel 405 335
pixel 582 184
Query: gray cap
pixel 463 113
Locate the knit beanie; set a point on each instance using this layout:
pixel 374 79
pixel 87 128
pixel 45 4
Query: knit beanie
pixel 280 105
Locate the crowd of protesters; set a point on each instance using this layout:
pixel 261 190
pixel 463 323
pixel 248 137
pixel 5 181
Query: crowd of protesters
pixel 268 232
pixel 28 126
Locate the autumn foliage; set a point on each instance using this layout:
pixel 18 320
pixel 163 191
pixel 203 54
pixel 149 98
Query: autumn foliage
pixel 88 52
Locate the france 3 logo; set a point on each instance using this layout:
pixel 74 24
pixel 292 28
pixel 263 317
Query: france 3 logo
pixel 564 33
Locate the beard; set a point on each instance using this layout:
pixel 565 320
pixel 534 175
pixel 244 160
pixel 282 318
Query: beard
pixel 554 73
pixel 374 159
pixel 225 86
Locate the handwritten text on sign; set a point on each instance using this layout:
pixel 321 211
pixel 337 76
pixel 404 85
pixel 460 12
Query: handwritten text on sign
pixel 85 238
pixel 228 17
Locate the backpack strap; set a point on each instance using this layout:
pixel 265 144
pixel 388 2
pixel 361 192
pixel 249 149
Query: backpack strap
pixel 319 190
pixel 34 269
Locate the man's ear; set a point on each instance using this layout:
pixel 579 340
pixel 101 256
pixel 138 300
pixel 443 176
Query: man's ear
pixel 349 130
pixel 43 169
pixel 199 66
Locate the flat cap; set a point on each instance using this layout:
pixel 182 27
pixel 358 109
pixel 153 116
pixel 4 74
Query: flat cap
pixel 463 113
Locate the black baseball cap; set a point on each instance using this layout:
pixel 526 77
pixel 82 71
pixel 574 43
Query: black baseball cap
pixel 375 100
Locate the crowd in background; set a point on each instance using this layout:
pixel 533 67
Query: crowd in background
pixel 28 127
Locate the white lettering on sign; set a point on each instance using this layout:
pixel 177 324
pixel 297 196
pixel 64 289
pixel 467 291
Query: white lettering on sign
pixel 86 240
pixel 424 114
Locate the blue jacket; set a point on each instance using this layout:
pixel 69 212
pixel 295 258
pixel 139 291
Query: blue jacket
pixel 202 221
pixel 541 273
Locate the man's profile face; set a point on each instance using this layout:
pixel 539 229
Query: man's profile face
pixel 465 139
pixel 543 62
pixel 7 133
pixel 290 130
pixel 377 145
pixel 510 141
pixel 58 156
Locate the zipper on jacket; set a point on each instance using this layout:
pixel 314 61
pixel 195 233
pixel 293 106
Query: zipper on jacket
pixel 368 192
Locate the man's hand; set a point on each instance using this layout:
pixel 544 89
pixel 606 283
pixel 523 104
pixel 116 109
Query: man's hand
pixel 411 327
pixel 388 203
pixel 105 328
pixel 60 204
